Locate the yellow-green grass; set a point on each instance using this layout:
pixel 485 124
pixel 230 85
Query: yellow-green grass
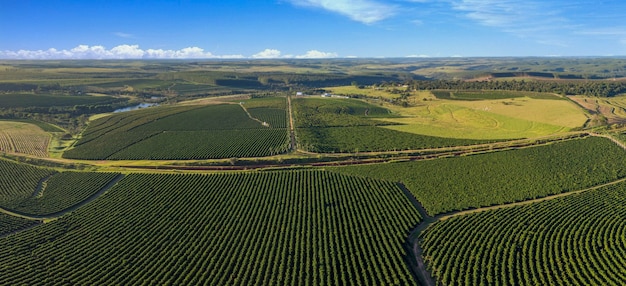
pixel 556 112
pixel 375 92
pixel 489 119
pixel 22 137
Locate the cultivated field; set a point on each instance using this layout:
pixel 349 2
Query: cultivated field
pixel 188 132
pixel 439 172
pixel 612 109
pixel 23 137
pixel 458 183
pixel 296 227
pixel 574 240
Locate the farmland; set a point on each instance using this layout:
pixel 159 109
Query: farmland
pixel 577 239
pixel 22 137
pixel 293 228
pixel 329 125
pixel 19 181
pixel 225 130
pixel 514 115
pixel 62 191
pixel 242 174
pixel 10 224
pixel 464 182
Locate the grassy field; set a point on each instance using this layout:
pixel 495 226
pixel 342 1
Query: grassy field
pixel 521 117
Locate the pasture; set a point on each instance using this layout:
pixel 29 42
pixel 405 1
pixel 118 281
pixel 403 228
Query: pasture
pixel 508 118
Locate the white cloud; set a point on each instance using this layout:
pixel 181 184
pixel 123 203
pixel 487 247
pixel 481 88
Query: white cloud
pixel 267 54
pixel 610 32
pixel 364 11
pixel 418 56
pixel 315 54
pixel 493 13
pixel 124 35
pixel 118 52
pixel 135 52
pixel 520 17
pixel 276 54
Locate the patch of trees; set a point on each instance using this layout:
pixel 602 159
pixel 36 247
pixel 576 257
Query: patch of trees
pixel 600 89
pixel 590 88
pixel 71 118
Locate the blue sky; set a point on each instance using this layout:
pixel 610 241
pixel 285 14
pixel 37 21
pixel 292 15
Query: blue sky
pixel 64 29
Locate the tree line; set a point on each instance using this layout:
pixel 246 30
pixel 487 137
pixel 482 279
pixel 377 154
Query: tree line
pixel 590 88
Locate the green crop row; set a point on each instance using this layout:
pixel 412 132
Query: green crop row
pixel 275 118
pixel 463 182
pixel 371 138
pixel 332 112
pixel 212 117
pixel 215 131
pixel 45 101
pixel 122 122
pixel 207 145
pixel 19 181
pixel 266 228
pixel 576 240
pixel 62 191
pixel 10 224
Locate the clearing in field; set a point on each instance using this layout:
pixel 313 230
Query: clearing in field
pixel 329 125
pixel 22 137
pixel 507 118
pixel 613 109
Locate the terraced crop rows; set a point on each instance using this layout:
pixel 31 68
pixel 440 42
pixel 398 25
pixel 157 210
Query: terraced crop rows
pixel 10 224
pixel 575 240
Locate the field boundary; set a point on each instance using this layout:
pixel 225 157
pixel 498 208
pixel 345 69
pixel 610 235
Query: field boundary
pixel 263 123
